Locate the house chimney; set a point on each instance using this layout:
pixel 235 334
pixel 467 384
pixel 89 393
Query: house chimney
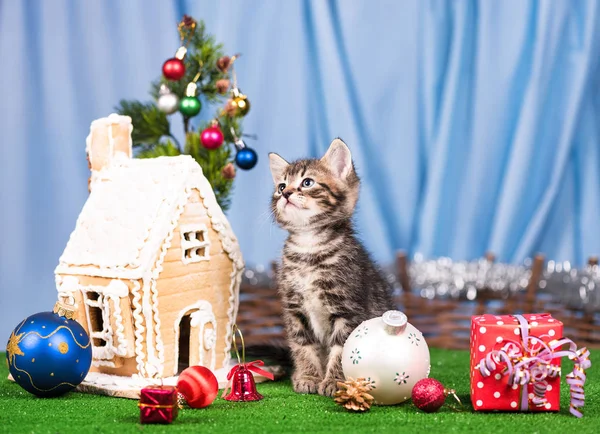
pixel 109 139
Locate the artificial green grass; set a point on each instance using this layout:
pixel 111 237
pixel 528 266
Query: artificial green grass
pixel 282 410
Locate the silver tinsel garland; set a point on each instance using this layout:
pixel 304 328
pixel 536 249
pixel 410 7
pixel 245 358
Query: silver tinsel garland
pixel 444 278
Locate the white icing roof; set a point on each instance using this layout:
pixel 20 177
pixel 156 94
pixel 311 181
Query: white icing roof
pixel 132 209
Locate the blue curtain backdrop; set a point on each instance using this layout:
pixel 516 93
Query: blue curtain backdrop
pixel 473 124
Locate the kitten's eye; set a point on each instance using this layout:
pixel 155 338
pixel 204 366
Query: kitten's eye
pixel 307 182
pixel 280 188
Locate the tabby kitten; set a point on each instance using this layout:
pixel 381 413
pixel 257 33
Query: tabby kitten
pixel 327 280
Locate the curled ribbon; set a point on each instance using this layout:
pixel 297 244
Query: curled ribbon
pixel 251 366
pixel 529 362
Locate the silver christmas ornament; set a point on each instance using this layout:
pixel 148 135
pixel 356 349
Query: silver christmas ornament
pixel 167 100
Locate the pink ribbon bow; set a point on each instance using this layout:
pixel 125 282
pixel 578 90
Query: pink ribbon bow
pixel 251 366
pixel 529 362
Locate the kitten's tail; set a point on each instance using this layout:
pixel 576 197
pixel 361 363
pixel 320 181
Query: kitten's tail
pixel 274 354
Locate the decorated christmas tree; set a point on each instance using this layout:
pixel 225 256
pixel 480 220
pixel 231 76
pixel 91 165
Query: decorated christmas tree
pixel 200 73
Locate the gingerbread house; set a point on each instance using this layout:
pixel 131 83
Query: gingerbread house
pixel 152 266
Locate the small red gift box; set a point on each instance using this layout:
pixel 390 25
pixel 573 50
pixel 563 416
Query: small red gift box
pixel 513 367
pixel 158 404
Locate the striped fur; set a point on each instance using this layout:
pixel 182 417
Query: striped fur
pixel 327 280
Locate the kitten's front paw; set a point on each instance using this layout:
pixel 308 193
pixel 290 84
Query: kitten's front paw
pixel 306 384
pixel 328 386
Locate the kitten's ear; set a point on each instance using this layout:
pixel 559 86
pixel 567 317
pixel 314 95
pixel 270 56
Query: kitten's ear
pixel 278 166
pixel 338 158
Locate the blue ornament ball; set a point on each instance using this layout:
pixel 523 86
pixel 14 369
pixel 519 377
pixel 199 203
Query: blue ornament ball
pixel 48 355
pixel 246 158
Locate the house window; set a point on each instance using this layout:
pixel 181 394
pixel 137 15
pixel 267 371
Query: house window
pixel 195 243
pixel 95 313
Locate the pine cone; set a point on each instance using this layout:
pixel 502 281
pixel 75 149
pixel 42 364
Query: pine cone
pixel 223 63
pixel 188 22
pixel 353 394
pixel 228 172
pixel 230 108
pixel 222 86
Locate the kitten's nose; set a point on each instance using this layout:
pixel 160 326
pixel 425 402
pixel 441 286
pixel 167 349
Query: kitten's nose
pixel 287 193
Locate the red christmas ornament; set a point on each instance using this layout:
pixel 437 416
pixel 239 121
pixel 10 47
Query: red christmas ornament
pixel 241 380
pixel 173 69
pixel 243 387
pixel 428 395
pixel 212 137
pixel 198 385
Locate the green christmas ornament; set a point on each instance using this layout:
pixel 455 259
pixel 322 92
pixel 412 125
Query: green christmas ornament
pixel 190 106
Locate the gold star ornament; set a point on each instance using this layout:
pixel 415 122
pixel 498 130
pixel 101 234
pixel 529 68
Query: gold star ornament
pixel 12 348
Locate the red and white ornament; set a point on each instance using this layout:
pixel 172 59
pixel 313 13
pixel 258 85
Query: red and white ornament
pixel 198 385
pixel 389 352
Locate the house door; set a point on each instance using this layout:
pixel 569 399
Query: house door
pixel 196 329
pixel 184 344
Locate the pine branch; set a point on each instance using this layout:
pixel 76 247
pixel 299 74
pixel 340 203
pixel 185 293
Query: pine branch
pixel 205 51
pixel 212 163
pixel 227 124
pixel 150 124
pixel 164 149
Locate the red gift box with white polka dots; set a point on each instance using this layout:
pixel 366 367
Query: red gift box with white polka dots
pixel 492 332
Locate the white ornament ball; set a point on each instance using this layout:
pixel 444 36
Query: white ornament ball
pixel 167 101
pixel 389 352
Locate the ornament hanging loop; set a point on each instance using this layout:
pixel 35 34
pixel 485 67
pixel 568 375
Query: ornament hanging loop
pixel 394 322
pixel 452 392
pixel 235 89
pixel 192 86
pixel 186 28
pixel 197 76
pixel 238 142
pixel 180 53
pixel 66 308
pixel 235 330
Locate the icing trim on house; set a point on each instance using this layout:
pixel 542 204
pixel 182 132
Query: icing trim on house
pixel 109 121
pixel 138 327
pixel 106 294
pixel 195 243
pixel 153 365
pixel 189 177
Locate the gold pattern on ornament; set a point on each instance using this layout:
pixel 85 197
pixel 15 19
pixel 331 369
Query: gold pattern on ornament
pixel 63 347
pixel 37 388
pixel 56 331
pixel 12 348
